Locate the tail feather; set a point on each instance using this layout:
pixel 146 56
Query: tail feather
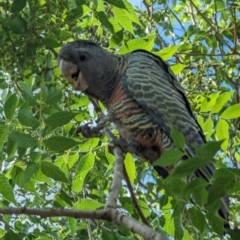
pixel 206 173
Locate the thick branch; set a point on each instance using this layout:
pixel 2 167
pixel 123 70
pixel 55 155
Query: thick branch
pixel 117 179
pixel 107 214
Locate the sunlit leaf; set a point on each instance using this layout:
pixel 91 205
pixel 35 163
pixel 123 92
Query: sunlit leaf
pixel 130 167
pixel 231 112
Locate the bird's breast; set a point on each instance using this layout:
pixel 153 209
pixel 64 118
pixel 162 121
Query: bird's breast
pixel 134 123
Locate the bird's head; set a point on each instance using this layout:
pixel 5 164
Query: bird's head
pixel 87 66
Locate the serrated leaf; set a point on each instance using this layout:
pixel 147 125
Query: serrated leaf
pixel 209 102
pixel 10 106
pixel 53 96
pixel 197 218
pixel 145 43
pixel 59 143
pixel 60 118
pixel 28 95
pixel 123 18
pixel 208 128
pixel 177 138
pixel 73 225
pixel 187 167
pixel 54 172
pixel 85 165
pixel 87 204
pixel 195 185
pixel 208 150
pixel 231 112
pixel 26 118
pixel 3 135
pixel 18 5
pixel 50 42
pixel 144 207
pixel 221 101
pixel 216 224
pixel 117 3
pixel 222 133
pixel 169 157
pixel 23 140
pixel 132 13
pixel 17 24
pixel 31 170
pixel 174 187
pixel 6 189
pixel 220 187
pixel 177 68
pixel 79 12
pixel 130 167
pixel 167 52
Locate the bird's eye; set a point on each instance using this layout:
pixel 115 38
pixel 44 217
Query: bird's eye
pixel 82 57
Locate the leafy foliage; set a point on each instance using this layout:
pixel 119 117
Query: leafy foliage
pixel 45 165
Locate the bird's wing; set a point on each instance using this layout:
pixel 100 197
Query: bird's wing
pixel 150 82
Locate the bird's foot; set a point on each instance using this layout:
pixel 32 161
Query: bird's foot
pixel 88 132
pixel 125 146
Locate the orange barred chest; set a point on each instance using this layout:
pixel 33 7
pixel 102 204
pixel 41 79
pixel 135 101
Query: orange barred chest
pixel 134 123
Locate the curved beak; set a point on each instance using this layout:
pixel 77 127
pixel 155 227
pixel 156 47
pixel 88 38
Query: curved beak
pixel 74 75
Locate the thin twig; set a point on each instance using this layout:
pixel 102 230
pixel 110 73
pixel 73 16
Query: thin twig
pixel 133 196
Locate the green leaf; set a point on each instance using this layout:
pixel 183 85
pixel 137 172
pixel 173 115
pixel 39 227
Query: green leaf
pixel 18 5
pixel 116 3
pixel 28 95
pixel 221 101
pixel 53 96
pixel 59 143
pixel 130 167
pixel 30 171
pixel 231 112
pixel 208 150
pixel 87 204
pixel 10 106
pixel 177 138
pixel 60 118
pixel 220 187
pixel 208 128
pixel 216 223
pixel 6 189
pixel 174 187
pixel 209 102
pixel 17 25
pixel 197 218
pixel 123 18
pixel 187 167
pixel 54 172
pixel 79 12
pixel 23 140
pixel 51 43
pixel 195 185
pixel 132 13
pixel 3 135
pixel 144 207
pixel 145 43
pixel 222 133
pixel 177 68
pixel 167 52
pixel 26 118
pixel 169 157
pixel 85 165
